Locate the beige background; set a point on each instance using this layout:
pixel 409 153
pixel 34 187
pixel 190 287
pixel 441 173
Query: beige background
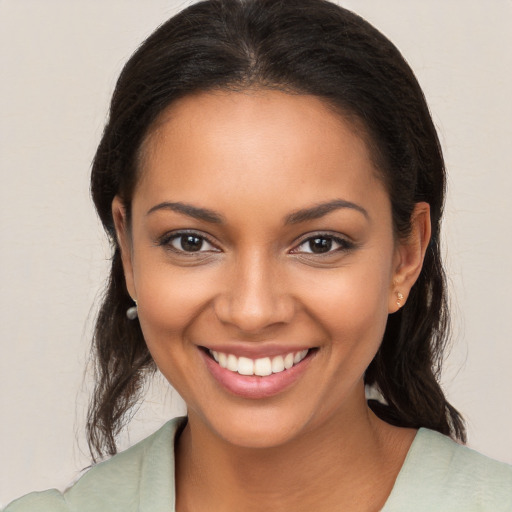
pixel 59 60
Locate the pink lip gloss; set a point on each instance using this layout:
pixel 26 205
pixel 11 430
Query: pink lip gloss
pixel 254 386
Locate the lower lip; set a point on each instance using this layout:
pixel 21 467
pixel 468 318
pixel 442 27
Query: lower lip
pixel 253 386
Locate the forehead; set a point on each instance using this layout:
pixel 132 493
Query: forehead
pixel 252 144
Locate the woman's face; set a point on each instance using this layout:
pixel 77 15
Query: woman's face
pixel 260 229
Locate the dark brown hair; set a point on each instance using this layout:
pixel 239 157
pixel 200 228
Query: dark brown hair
pixel 305 47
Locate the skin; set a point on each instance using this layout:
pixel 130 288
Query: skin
pixel 255 158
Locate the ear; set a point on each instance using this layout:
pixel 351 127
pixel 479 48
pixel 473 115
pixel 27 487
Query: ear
pixel 409 256
pixel 125 243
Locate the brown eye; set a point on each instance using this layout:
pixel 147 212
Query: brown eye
pixel 323 244
pixel 189 243
pixel 320 245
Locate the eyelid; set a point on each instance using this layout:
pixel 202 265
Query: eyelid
pixel 344 242
pixel 166 239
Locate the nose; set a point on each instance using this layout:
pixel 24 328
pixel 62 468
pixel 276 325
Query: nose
pixel 255 297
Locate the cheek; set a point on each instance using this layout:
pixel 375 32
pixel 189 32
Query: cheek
pixel 170 297
pixel 170 300
pixel 351 304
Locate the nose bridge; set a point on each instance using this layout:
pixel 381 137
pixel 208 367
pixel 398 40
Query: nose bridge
pixel 256 296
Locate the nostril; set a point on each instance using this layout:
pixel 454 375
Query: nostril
pixel 254 313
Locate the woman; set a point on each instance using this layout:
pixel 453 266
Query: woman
pixel 273 186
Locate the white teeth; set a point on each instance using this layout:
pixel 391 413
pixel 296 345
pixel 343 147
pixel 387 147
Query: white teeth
pixel 245 366
pixel 261 367
pixel 277 364
pixel 232 363
pixel 299 356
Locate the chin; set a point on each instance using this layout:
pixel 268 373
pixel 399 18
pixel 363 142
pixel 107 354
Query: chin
pixel 259 427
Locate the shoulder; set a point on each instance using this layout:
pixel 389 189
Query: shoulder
pixel 439 474
pixel 47 501
pixel 143 473
pixel 478 474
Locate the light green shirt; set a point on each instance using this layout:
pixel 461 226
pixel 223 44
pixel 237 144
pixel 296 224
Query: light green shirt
pixel 437 475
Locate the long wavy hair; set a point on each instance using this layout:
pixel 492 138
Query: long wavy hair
pixel 302 47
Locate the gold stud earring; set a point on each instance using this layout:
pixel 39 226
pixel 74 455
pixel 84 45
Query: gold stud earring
pixel 400 298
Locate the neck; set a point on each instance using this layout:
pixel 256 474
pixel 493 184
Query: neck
pixel 350 463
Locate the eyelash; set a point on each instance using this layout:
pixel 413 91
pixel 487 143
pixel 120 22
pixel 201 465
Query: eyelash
pixel 344 245
pixel 167 240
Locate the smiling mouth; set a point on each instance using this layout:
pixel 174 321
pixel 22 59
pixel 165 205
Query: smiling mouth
pixel 261 367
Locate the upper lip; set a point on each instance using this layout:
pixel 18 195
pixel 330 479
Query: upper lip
pixel 256 350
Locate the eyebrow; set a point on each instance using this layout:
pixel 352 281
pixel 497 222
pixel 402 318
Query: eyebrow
pixel 322 209
pixel 315 212
pixel 187 209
